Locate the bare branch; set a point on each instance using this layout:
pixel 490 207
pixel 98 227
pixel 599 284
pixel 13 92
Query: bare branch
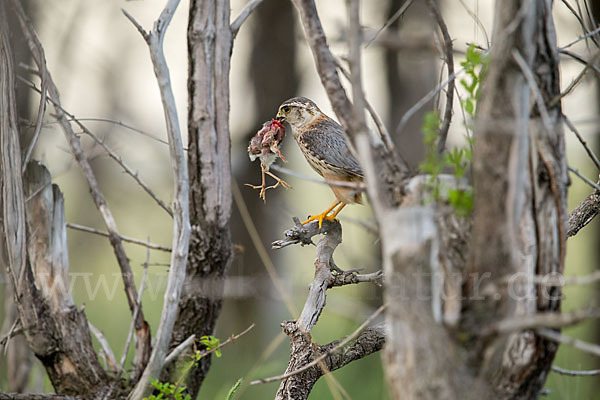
pixel 544 320
pixel 329 352
pixel 391 20
pixel 584 213
pixel 302 233
pixel 352 278
pixel 583 178
pixel 563 371
pixel 172 356
pixel 181 225
pixel 105 346
pixel 244 14
pixel 385 135
pixel 589 151
pixel 187 342
pixel 123 238
pixel 136 311
pixel 41 111
pixel 450 64
pixel 31 396
pixel 560 338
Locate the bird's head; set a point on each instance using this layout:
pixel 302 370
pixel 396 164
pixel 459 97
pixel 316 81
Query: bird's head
pixel 298 111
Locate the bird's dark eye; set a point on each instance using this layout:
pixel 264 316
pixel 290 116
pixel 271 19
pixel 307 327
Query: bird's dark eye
pixel 285 109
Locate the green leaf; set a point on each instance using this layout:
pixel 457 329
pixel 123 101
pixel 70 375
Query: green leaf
pixel 233 389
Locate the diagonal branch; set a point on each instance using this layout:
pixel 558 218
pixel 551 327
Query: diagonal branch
pixel 181 217
pixel 244 14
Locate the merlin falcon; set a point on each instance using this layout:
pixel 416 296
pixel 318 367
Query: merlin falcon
pixel 323 143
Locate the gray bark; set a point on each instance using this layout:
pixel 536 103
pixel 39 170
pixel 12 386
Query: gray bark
pixel 210 43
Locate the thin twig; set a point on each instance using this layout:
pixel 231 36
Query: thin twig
pixel 339 346
pixel 172 356
pixel 560 338
pixel 424 100
pixel 41 111
pixel 568 372
pixel 137 308
pixel 580 38
pixel 450 64
pixel 543 320
pixel 580 59
pixel 583 178
pixel 353 185
pixel 589 152
pixel 385 135
pixel 477 21
pixel 229 340
pixel 105 346
pixel 108 150
pixel 390 21
pixel 244 14
pixel 126 126
pixel 580 20
pixel 575 81
pixel 149 245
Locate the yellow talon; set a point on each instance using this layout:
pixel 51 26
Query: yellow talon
pixel 325 214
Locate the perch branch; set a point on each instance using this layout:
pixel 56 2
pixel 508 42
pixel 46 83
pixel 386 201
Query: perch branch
pixel 584 213
pixel 302 233
pixel 350 278
pixel 385 135
pixel 333 348
pixel 181 217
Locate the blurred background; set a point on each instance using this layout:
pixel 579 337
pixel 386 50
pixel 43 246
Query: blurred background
pixel 102 68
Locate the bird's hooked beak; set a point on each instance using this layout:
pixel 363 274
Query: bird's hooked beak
pixel 280 116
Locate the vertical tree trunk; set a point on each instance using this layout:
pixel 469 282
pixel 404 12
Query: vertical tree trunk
pixel 519 229
pixel 209 50
pixel 18 355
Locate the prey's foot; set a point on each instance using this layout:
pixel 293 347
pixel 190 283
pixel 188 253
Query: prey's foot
pixel 262 188
pixel 279 181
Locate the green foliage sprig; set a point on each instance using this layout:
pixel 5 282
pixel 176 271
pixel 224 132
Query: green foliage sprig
pixel 176 391
pixel 458 160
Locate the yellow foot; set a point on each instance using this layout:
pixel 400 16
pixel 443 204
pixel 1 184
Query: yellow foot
pixel 320 218
pixel 325 214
